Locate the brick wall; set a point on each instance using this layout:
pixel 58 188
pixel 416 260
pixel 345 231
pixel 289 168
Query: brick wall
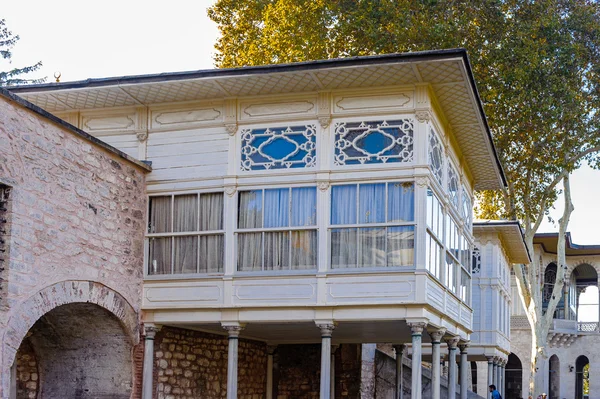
pixel 27 372
pixel 192 364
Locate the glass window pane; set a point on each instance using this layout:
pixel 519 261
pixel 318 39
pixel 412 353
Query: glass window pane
pixel 401 202
pixel 211 211
pixel 160 256
pixel 277 207
pixel 249 252
pixel 304 206
pixel 277 250
pixel 465 283
pixel 343 248
pixel 250 209
pixel 186 255
pixel 304 249
pixel 160 214
pixel 185 213
pixel 371 203
pixel 400 246
pixel 371 247
pixel 343 204
pixel 211 253
pixel 450 273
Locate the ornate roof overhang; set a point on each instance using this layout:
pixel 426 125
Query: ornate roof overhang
pixel 447 71
pixel 510 234
pixel 549 242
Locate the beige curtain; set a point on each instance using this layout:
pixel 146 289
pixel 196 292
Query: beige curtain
pixel 160 248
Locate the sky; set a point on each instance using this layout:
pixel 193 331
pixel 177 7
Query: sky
pixel 84 39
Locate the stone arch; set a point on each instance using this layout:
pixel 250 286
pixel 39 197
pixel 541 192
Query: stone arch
pixel 62 293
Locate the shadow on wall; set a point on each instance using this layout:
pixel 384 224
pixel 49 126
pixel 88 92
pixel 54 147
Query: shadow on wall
pixel 385 368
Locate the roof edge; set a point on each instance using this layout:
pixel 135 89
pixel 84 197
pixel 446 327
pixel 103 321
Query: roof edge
pixel 253 70
pixel 504 223
pixel 570 243
pixel 146 166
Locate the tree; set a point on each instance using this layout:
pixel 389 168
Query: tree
pixel 13 76
pixel 536 63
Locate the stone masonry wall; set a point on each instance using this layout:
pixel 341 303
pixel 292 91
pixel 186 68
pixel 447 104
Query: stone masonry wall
pixel 192 364
pixel 27 372
pixel 77 214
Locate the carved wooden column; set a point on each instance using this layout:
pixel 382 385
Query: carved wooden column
pixel 399 354
pixel 417 340
pixel 148 369
pixel 326 331
pixel 436 338
pixel 233 334
pixel 270 351
pixel 452 371
pixel 464 367
pixel 490 361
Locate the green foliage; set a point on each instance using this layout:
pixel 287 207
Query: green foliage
pixel 13 76
pixel 537 65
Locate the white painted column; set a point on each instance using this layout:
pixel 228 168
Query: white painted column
pixel 233 334
pixel 399 354
pixel 326 331
pixel 452 344
pixel 270 351
pixel 436 338
pixel 495 373
pixel 332 389
pixel 148 369
pixel 490 380
pixel 503 378
pixel 417 331
pixel 464 370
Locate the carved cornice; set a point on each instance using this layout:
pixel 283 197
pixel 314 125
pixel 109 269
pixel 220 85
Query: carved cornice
pixel 233 331
pixel 463 347
pixel 417 327
pixel 230 190
pixel 437 335
pixel 453 342
pixel 150 330
pixel 423 116
pixel 323 185
pixel 326 329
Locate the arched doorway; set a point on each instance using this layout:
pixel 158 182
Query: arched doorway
pixel 554 377
pixel 585 280
pixel 73 339
pixel 75 351
pixel 582 377
pixel 514 377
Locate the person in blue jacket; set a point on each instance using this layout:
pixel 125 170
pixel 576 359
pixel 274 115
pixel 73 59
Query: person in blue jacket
pixel 495 393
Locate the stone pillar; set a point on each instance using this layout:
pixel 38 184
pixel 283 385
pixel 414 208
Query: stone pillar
pixel 326 331
pixel 270 351
pixel 464 373
pixel 332 389
pixel 498 372
pixel 417 331
pixel 436 338
pixel 148 370
pixel 399 354
pixel 503 378
pixel 13 380
pixel 490 372
pixel 452 344
pixel 233 334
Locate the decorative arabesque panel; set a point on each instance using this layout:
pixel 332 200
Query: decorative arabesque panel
pixel 436 156
pixel 373 142
pixel 476 261
pixel 279 148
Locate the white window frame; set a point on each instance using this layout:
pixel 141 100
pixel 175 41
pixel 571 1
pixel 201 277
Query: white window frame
pixel 264 230
pixel 149 236
pixel 357 226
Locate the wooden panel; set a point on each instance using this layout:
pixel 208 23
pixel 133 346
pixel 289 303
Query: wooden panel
pixel 128 143
pixel 353 103
pixel 275 291
pixel 188 154
pixel 369 289
pixel 182 293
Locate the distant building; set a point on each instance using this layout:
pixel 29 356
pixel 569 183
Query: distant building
pixel 295 216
